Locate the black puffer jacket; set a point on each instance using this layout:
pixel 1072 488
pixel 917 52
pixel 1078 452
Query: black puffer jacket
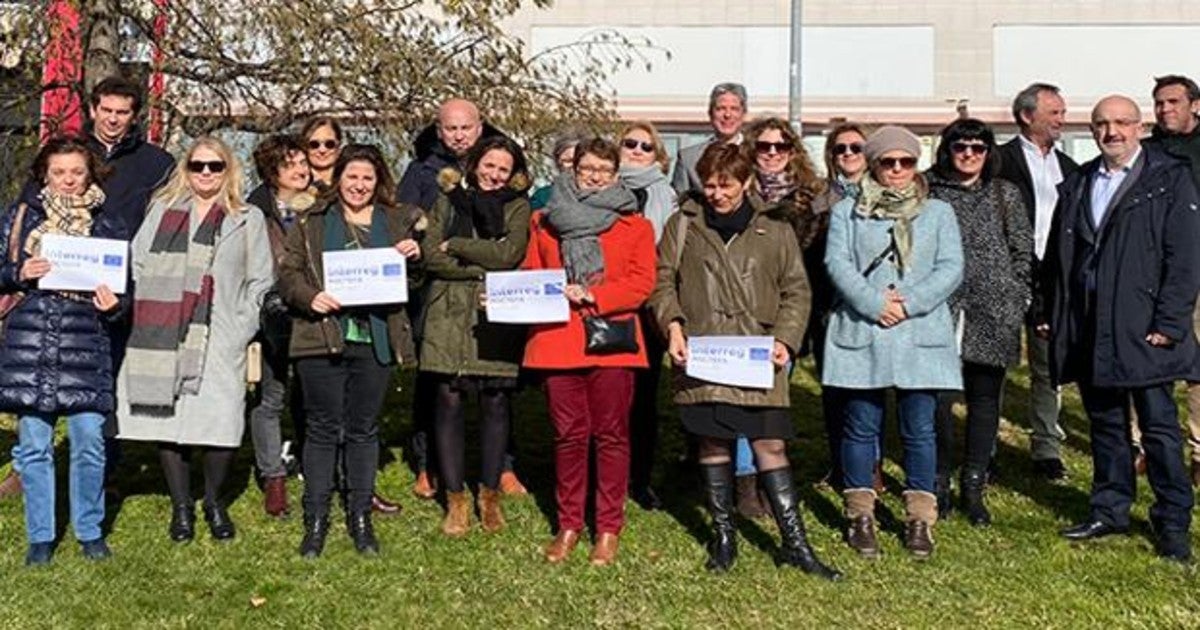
pixel 55 352
pixel 419 185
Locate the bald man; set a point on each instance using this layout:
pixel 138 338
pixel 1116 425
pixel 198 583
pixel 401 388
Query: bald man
pixel 1121 274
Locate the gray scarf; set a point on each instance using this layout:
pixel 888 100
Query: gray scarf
pixel 580 217
pixel 660 197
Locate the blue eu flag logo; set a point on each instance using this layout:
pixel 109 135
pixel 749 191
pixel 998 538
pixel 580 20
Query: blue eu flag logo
pixel 393 270
pixel 553 288
pixel 760 354
pixel 112 260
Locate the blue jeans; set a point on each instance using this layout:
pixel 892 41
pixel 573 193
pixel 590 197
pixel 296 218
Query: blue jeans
pixel 85 433
pixel 864 421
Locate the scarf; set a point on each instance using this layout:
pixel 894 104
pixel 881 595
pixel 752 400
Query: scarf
pixel 69 215
pixel 901 206
pixel 580 217
pixel 172 308
pixel 661 202
pixel 730 224
pixel 479 213
pixel 775 186
pixel 848 188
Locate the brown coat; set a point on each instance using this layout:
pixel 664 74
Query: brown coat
pixel 755 285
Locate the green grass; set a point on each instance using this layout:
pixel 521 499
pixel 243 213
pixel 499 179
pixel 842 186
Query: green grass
pixel 1017 573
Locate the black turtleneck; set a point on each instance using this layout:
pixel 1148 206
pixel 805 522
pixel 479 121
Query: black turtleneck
pixel 731 224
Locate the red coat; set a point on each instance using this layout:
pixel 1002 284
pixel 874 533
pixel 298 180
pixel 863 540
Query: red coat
pixel 629 268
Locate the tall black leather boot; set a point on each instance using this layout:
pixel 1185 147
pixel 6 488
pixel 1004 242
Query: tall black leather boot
pixel 795 550
pixel 718 490
pixel 971 488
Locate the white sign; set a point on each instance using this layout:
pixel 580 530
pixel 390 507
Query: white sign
pixel 527 297
pixel 737 361
pixel 79 263
pixel 359 277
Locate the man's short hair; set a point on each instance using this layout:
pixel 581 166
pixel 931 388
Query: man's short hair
pixel 117 86
pixel 1193 90
pixel 1026 101
pixel 721 89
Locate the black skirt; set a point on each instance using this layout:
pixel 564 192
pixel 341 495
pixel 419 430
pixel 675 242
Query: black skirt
pixel 724 421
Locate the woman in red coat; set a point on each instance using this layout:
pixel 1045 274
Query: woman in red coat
pixel 591 228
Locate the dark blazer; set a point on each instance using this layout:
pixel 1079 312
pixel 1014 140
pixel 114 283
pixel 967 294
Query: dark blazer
pixel 1015 169
pixel 1145 267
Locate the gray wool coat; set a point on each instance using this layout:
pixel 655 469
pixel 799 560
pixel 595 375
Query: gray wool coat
pixel 242 273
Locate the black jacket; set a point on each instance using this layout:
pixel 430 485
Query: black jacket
pixel 418 186
pixel 1186 146
pixel 1145 267
pixel 138 168
pixel 1015 169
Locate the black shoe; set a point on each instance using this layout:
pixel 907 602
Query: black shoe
pixel 971 491
pixel 1092 530
pixel 183 523
pixel 95 549
pixel 718 489
pixel 316 528
pixel 1050 470
pixel 219 523
pixel 942 490
pixel 39 554
pixel 362 532
pixel 781 493
pixel 646 498
pixel 1175 546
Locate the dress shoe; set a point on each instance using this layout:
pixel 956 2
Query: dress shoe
pixel 219 524
pixel 1091 530
pixel 511 485
pixel 316 528
pixel 39 554
pixel 11 486
pixel 383 507
pixel 1195 474
pixel 95 549
pixel 604 552
pixel 183 523
pixel 646 498
pixel 425 486
pixel 561 547
pixel 1175 546
pixel 275 497
pixel 362 532
pixel 1050 470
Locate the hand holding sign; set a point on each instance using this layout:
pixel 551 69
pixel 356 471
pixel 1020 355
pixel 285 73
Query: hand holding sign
pixel 78 263
pixel 359 277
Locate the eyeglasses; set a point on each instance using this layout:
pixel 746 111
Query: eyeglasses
pixel 198 166
pixel 765 147
pixel 595 170
pixel 842 148
pixel 891 163
pixel 631 144
pixel 328 144
pixel 974 148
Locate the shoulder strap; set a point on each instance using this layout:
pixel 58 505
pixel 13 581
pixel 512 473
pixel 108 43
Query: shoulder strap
pixel 14 235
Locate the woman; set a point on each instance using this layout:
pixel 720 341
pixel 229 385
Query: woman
pixel 56 350
pixel 644 163
pixel 895 257
pixel 591 229
pixel 199 278
pixel 728 264
pixel 323 138
pixel 563 155
pixel 284 196
pixel 990 304
pixel 477 225
pixel 345 356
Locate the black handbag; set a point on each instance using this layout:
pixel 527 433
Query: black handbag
pixel 604 335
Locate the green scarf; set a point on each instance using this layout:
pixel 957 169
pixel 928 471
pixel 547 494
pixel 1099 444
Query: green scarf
pixel 902 206
pixel 336 238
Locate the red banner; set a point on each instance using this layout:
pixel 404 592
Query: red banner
pixel 62 108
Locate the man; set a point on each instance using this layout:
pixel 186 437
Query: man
pixel 1177 131
pixel 1032 162
pixel 726 111
pixel 442 144
pixel 1120 279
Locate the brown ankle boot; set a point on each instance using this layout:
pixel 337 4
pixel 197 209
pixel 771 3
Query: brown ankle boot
pixel 860 526
pixel 458 514
pixel 920 516
pixel 561 547
pixel 490 514
pixel 275 497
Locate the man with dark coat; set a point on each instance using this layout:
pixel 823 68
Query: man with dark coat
pixel 1120 280
pixel 1032 162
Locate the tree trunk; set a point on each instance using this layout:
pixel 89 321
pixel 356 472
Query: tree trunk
pixel 102 54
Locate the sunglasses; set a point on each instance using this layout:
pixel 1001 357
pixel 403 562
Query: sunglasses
pixel 765 147
pixel 198 166
pixel 891 163
pixel 631 144
pixel 974 148
pixel 317 144
pixel 842 148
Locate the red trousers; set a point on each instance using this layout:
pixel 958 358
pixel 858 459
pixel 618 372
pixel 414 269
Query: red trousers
pixel 586 405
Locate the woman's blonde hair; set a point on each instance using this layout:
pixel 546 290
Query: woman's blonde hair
pixel 660 149
pixel 232 188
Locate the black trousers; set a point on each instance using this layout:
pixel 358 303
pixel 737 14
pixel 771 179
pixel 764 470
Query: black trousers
pixel 1113 479
pixel 342 399
pixel 983 387
pixel 643 421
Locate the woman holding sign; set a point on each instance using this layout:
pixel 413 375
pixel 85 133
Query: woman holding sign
pixel 592 228
pixel 55 349
pixel 200 274
pixel 479 223
pixel 345 355
pixel 729 267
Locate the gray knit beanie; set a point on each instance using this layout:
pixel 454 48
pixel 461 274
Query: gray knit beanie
pixel 892 138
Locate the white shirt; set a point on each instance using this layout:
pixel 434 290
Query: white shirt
pixel 1046 175
pixel 1105 186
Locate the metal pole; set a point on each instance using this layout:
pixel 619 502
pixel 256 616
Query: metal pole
pixel 794 75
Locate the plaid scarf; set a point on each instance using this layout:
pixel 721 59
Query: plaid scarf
pixel 70 215
pixel 171 312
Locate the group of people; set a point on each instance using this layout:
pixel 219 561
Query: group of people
pixel 893 280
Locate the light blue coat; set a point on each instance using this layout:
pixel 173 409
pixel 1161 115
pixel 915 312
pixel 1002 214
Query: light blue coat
pixel 921 351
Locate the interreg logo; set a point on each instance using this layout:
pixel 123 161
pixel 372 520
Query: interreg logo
pixel 113 260
pixel 84 257
pixel 553 288
pixel 721 352
pixel 393 270
pixel 760 354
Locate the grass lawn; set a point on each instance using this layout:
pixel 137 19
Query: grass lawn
pixel 1017 573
